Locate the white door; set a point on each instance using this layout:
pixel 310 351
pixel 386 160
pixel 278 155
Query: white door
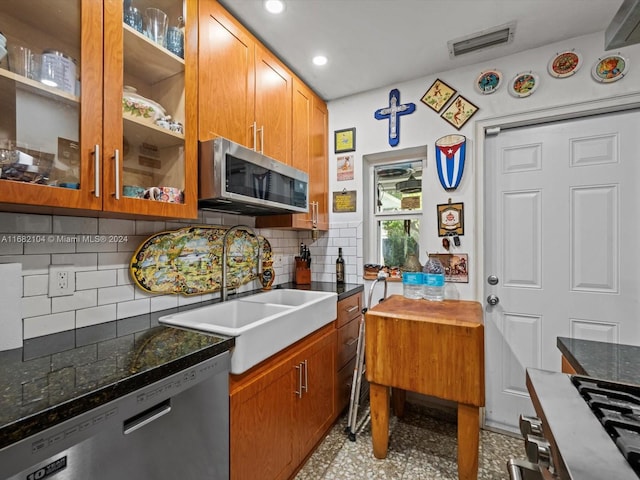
pixel 562 233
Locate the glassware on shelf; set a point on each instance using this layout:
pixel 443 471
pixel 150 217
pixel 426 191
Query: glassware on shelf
pixel 133 17
pixel 156 25
pixel 175 41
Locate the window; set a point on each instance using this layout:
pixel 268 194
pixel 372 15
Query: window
pixel 394 192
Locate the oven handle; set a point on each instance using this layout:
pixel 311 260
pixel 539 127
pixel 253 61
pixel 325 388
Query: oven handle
pixel 523 470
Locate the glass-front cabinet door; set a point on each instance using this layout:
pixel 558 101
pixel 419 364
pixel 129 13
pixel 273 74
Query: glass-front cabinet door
pixel 51 103
pixel 98 103
pixel 150 143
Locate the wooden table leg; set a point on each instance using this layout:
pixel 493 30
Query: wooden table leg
pixel 468 441
pixel 398 397
pixel 379 400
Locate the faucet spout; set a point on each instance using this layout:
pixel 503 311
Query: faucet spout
pixel 224 288
pixel 382 277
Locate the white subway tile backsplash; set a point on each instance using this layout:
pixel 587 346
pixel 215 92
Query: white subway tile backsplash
pixel 95 315
pixel 163 302
pixel 8 245
pixel 80 261
pixel 31 264
pixel 36 306
pixel 80 299
pixel 35 285
pixel 148 228
pixel 134 307
pixel 100 251
pixel 113 260
pixel 75 225
pixel 115 226
pixel 21 223
pixel 122 293
pixel 96 279
pixel 48 324
pixel 52 245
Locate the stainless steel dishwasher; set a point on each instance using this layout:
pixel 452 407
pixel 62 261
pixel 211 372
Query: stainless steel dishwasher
pixel 175 428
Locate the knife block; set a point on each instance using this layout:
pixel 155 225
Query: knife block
pixel 303 272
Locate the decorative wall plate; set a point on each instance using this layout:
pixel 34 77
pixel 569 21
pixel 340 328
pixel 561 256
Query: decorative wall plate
pixel 565 64
pixel 524 84
pixel 610 68
pixel 489 81
pixel 188 260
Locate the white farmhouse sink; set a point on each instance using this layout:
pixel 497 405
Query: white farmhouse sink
pixel 263 324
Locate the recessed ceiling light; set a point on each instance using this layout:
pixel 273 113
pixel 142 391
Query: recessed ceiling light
pixel 319 60
pixel 274 6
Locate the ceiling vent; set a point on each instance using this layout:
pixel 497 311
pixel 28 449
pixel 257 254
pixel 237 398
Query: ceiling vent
pixel 624 29
pixel 492 37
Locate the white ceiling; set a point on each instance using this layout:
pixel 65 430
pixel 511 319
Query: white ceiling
pixel 377 43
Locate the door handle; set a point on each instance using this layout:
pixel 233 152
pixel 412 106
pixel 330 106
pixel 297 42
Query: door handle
pixel 493 300
pixel 116 161
pixel 96 175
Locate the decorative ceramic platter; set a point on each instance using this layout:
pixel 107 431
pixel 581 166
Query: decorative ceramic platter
pixel 524 84
pixel 565 64
pixel 189 260
pixel 489 81
pixel 610 69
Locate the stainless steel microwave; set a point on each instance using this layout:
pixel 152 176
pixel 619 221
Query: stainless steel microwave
pixel 236 179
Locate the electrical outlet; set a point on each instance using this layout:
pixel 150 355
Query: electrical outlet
pixel 62 280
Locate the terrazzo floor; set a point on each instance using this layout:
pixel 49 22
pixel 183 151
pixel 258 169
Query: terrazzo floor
pixel 422 446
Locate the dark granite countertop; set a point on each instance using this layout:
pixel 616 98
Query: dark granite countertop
pixel 608 361
pixel 56 377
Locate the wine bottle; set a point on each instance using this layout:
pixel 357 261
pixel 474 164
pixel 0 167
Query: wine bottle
pixel 340 268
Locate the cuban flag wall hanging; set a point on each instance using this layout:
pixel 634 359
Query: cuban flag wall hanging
pixel 393 113
pixel 450 156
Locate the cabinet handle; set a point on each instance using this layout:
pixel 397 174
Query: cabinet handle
pixel 306 377
pixel 349 310
pixel 96 173
pixel 298 392
pixel 255 134
pixel 351 341
pixel 314 213
pixel 261 130
pixel 116 162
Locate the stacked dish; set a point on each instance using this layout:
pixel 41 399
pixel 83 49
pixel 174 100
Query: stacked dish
pixel 138 106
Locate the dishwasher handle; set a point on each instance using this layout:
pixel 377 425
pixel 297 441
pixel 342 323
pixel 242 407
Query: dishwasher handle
pixel 146 417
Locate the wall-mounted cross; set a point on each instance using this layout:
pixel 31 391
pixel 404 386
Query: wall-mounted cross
pixel 393 112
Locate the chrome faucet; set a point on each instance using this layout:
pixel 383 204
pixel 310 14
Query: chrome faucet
pixel 223 279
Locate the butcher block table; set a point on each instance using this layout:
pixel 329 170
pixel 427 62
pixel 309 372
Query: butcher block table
pixel 432 348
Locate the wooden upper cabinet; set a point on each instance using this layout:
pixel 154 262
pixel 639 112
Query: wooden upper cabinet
pixel 272 107
pixel 244 90
pixel 309 154
pixel 73 136
pixel 49 134
pixel 226 82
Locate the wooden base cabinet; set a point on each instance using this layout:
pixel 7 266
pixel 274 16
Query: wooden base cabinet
pixel 281 408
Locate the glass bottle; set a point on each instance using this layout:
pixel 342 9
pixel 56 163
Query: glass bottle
pixel 340 268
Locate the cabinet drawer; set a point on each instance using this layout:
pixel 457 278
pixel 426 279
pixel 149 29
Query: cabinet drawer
pixel 348 341
pixel 349 308
pixel 343 388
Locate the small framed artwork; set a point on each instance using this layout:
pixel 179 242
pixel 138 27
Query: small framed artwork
pixel 564 64
pixel 450 219
pixel 489 81
pixel 438 95
pixel 345 167
pixel 344 201
pixel 459 112
pixel 345 140
pixel 456 266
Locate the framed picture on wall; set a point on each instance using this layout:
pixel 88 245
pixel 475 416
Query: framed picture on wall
pixel 459 112
pixel 450 219
pixel 438 95
pixel 345 140
pixel 456 266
